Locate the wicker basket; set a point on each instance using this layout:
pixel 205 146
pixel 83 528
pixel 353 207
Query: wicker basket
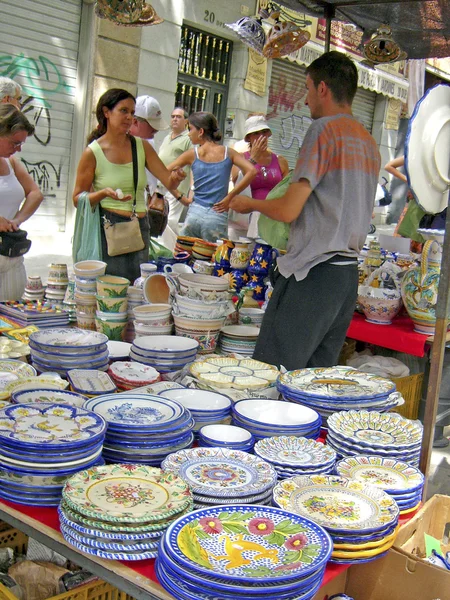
pixel 411 389
pixel 95 590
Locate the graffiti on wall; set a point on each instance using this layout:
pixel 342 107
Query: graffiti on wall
pixel 40 79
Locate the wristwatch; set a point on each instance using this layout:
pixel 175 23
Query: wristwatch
pixel 179 197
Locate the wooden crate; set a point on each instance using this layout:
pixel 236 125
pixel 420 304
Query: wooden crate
pixel 411 389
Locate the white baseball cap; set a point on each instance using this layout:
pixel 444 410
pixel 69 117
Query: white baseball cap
pixel 148 108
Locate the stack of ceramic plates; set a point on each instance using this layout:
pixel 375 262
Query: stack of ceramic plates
pixel 292 455
pixel 13 371
pixel 398 479
pixel 375 434
pixel 243 552
pixel 142 428
pixel 48 395
pixel 205 407
pixel 164 353
pixel 361 519
pixel 48 381
pixel 268 418
pixel 226 436
pixel 130 375
pixel 236 373
pixel 222 476
pixel 120 511
pixel 331 389
pixel 238 339
pixel 40 444
pixel 59 350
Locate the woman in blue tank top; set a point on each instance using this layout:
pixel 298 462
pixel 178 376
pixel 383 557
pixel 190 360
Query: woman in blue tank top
pixel 211 165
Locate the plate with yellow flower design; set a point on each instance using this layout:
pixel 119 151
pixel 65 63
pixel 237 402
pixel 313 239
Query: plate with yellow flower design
pixel 247 543
pixel 336 503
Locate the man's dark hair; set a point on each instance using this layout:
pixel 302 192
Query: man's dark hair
pixel 338 72
pixel 186 114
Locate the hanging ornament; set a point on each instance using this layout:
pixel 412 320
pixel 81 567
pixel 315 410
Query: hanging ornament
pixel 250 31
pixel 382 48
pixel 284 38
pixel 127 13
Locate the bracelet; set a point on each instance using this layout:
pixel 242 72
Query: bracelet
pixel 253 161
pixel 179 197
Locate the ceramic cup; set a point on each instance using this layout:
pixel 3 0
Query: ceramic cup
pixel 177 268
pixel 58 273
pixel 34 283
pixel 202 266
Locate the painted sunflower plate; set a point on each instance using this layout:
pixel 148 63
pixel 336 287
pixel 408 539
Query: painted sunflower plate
pixel 126 493
pixel 336 503
pixel 336 382
pixel 247 543
pixel 391 475
pixel 228 372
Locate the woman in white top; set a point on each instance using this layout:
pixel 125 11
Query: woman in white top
pixel 19 195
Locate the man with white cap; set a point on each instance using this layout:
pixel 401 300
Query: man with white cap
pixel 146 123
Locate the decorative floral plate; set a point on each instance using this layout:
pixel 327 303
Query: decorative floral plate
pixel 373 429
pixel 336 503
pixel 49 395
pixel 68 339
pixel 294 451
pixel 133 372
pixel 221 472
pixel 136 410
pixel 245 542
pixel 36 383
pixel 385 473
pixel 126 493
pixel 49 425
pixel 333 382
pixel 14 370
pixel 228 372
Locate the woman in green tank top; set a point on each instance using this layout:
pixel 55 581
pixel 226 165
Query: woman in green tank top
pixel 105 171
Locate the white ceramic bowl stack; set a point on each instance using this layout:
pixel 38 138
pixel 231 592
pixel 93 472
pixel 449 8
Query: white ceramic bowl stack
pixel 354 514
pixel 86 273
pixel 41 444
pixel 331 389
pixel 268 418
pixel 206 408
pixel 292 455
pixel 60 350
pixel 223 476
pixel 266 566
pixel 398 479
pixel 226 436
pixel 153 319
pixel 142 428
pixel 128 375
pixel 165 353
pixel 238 339
pixel 251 316
pixel 388 435
pixel 96 518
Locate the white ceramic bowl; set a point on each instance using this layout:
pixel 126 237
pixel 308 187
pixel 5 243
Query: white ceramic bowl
pixel 226 434
pixel 152 312
pixel 275 412
pixel 198 400
pixel 379 306
pixel 203 287
pixel 149 329
pixel 89 268
pixel 167 346
pixel 251 316
pixel 192 308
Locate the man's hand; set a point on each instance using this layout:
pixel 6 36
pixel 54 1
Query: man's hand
pixel 241 204
pixel 223 205
pixel 176 177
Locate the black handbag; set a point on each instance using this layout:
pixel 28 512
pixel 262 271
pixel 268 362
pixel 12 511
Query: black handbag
pixel 14 243
pixel 158 214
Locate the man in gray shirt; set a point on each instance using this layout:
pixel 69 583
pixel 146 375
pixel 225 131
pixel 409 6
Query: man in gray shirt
pixel 329 206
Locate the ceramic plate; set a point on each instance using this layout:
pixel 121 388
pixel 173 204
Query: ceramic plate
pixel 221 472
pixel 385 473
pixel 246 542
pixel 49 395
pixel 236 373
pixel 426 149
pixel 376 430
pixel 136 410
pixel 108 546
pixel 14 370
pixel 52 425
pixel 240 331
pixel 294 451
pixel 133 372
pixel 126 494
pixel 91 381
pixel 336 503
pixel 53 468
pixel 66 339
pixel 199 401
pixel 332 382
pixel 111 555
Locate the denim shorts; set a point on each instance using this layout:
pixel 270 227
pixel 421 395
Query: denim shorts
pixel 204 222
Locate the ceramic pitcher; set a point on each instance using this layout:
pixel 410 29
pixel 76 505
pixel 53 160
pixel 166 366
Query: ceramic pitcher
pixel 223 253
pixel 240 255
pixel 261 259
pixel 420 284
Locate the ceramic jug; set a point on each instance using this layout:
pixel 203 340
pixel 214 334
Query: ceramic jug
pixel 420 284
pixel 223 253
pixel 261 259
pixel 238 278
pixel 240 255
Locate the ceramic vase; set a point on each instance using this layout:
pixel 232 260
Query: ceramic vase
pixel 420 284
pixel 240 256
pixel 220 270
pixel 238 278
pixel 261 259
pixel 223 253
pixel 257 284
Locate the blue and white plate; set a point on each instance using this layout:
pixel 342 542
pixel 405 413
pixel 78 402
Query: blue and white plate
pixel 49 425
pixel 68 340
pixel 220 472
pixel 109 546
pixel 110 555
pixel 288 451
pixel 49 396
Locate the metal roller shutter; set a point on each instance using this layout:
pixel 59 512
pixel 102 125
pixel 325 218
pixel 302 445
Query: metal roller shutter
pixel 288 116
pixel 39 49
